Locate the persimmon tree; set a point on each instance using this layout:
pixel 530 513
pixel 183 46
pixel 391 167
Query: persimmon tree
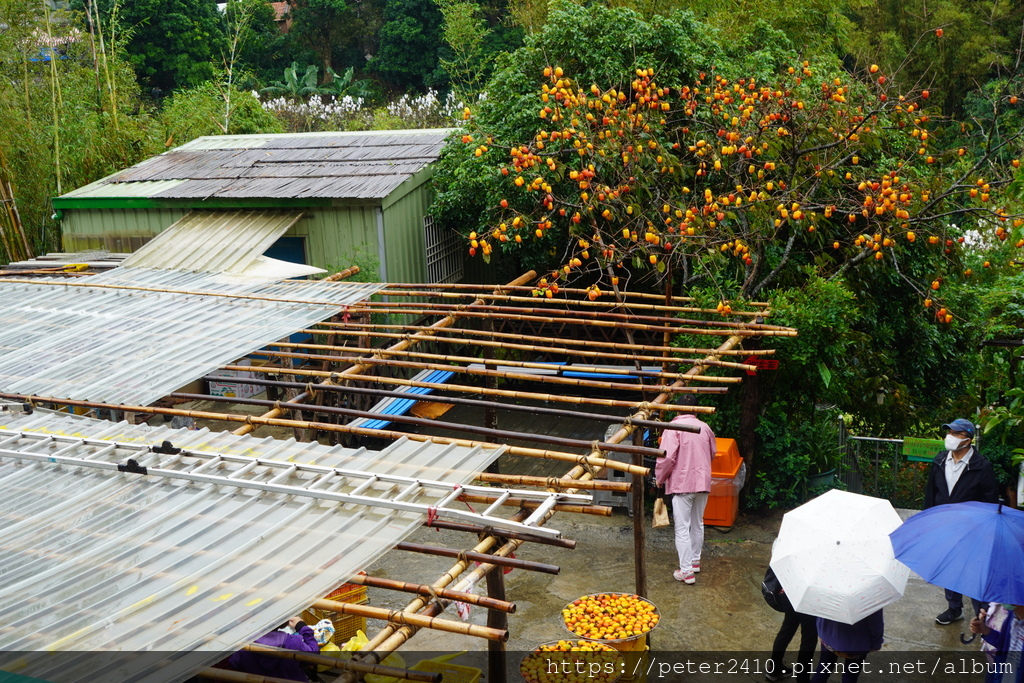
pixel 743 179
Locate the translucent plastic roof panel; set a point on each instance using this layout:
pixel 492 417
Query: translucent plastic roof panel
pixel 101 560
pixel 215 241
pixel 134 335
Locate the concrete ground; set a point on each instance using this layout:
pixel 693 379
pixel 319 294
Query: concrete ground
pixel 723 617
pixel 724 611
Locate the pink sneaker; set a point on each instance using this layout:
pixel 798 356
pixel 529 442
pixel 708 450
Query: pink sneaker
pixel 696 567
pixel 688 579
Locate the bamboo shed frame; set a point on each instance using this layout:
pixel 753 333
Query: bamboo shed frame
pixel 372 351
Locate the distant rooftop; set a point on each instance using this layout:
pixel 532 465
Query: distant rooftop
pixel 349 165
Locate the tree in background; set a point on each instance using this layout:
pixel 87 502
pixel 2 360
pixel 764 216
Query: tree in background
pixel 170 43
pixel 263 49
pixel 67 116
pixel 465 32
pixel 321 25
pixel 194 112
pixel 982 42
pixel 851 204
pixel 410 41
pixel 748 177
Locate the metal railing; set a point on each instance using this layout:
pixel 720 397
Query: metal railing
pixel 877 467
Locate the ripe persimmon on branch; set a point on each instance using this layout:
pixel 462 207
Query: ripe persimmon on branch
pixel 745 178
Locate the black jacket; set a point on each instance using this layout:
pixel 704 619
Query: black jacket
pixel 978 482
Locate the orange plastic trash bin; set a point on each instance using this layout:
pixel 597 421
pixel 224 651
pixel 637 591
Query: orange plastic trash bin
pixel 726 482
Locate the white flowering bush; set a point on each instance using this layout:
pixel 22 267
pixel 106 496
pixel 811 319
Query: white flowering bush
pixel 320 113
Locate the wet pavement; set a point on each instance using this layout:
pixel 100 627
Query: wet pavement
pixel 723 611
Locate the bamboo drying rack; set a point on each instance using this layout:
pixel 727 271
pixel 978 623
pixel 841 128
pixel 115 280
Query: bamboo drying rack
pixel 348 352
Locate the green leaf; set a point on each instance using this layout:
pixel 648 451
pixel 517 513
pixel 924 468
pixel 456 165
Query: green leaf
pixel 826 374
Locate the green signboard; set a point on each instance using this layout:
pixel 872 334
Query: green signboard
pixel 921 450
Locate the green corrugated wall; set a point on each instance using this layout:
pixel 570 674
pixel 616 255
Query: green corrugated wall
pixel 340 236
pixel 116 230
pixel 403 234
pixel 336 236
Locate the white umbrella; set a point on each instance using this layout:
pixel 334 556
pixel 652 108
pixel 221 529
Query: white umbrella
pixel 834 558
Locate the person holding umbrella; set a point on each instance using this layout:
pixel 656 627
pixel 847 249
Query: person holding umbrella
pixel 958 474
pixel 1007 640
pixel 851 642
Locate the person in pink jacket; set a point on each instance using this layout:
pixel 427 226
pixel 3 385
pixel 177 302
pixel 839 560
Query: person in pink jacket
pixel 685 472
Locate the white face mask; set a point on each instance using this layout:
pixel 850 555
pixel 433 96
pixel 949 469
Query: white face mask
pixel 954 443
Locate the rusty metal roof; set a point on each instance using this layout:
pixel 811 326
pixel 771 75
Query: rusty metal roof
pixel 349 165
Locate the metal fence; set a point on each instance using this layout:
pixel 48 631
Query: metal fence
pixel 877 467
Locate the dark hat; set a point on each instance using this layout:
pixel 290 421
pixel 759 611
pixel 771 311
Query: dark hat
pixel 960 425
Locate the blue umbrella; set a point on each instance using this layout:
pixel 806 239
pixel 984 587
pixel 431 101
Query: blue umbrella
pixel 976 549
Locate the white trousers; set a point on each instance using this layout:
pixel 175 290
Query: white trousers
pixel 688 519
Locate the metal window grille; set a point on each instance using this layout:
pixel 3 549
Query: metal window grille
pixel 445 261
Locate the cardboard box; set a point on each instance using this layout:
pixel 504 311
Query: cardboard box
pixel 231 389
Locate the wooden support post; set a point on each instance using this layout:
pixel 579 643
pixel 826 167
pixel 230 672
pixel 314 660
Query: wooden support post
pixel 639 523
pixel 497 660
pixel 749 412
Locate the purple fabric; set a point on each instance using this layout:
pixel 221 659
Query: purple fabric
pixel 264 665
pixel 864 636
pixel 686 467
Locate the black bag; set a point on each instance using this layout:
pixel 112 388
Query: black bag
pixel 773 594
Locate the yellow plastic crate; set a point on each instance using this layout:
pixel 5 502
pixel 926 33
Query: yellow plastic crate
pixel 451 673
pixel 345 625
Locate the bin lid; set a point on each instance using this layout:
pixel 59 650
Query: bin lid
pixel 727 460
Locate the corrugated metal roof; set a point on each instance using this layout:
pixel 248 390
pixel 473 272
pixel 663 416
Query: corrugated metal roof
pixel 109 338
pixel 350 165
pixel 220 241
pixel 102 188
pixel 98 560
pixel 319 139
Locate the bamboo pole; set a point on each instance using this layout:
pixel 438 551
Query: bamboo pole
pixel 325 426
pixel 580 317
pixel 596 510
pixel 727 329
pixel 354 328
pixel 530 289
pixel 417 421
pixel 501 374
pixel 420 589
pixel 639 526
pixel 469 389
pixel 184 292
pixel 343 274
pixel 506 344
pixel 558 369
pixel 501 533
pixel 583 302
pixel 553 482
pixel 497 658
pixel 13 216
pixel 390 638
pixel 358 369
pixel 512 562
pixel 398 617
pixel 434 398
pixel 345 664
